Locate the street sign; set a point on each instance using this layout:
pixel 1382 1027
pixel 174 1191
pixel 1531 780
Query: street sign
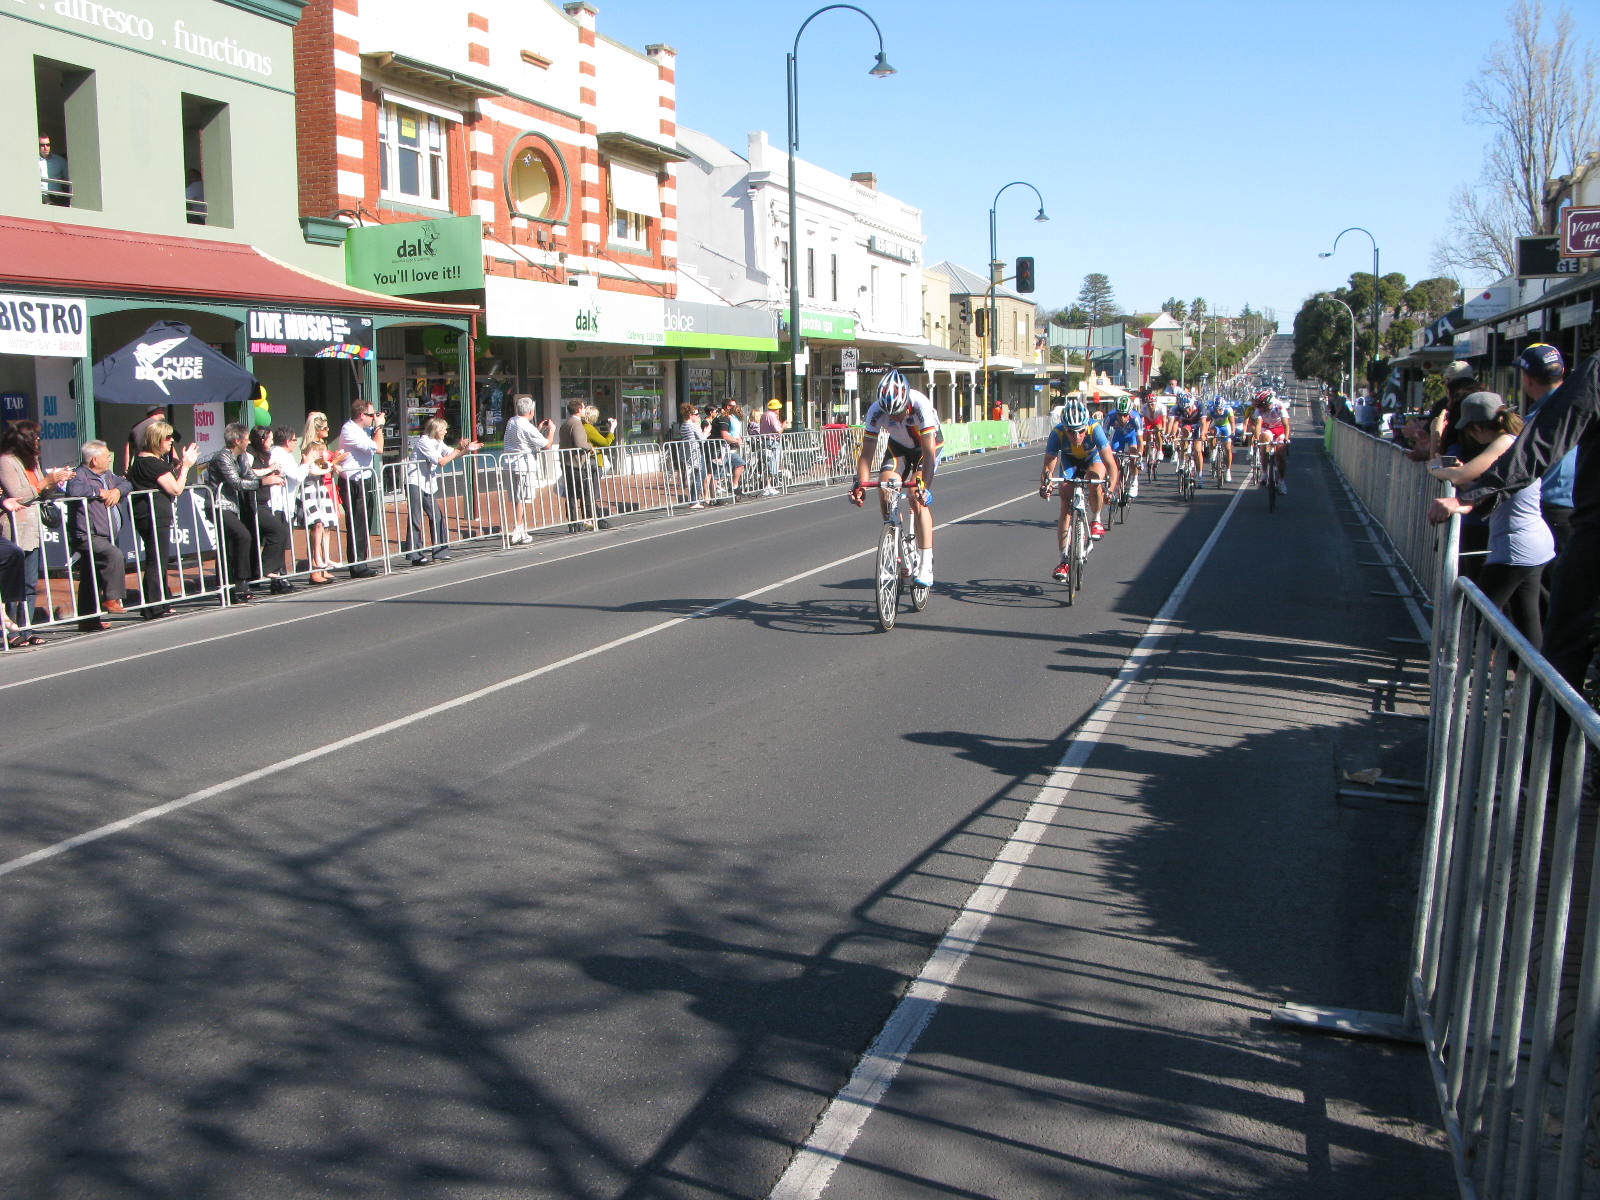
pixel 1541 256
pixel 850 358
pixel 1580 232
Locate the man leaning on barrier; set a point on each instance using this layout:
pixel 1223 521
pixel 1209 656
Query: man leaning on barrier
pixel 1566 414
pixel 92 536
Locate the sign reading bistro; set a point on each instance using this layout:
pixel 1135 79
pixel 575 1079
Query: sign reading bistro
pixel 44 326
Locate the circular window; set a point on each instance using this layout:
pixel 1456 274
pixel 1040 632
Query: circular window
pixel 530 186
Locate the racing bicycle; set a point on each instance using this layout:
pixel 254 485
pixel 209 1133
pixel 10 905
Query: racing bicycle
pixel 1267 470
pixel 897 556
pixel 1125 462
pixel 1185 475
pixel 1078 542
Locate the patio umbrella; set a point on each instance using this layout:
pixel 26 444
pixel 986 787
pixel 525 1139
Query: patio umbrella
pixel 169 365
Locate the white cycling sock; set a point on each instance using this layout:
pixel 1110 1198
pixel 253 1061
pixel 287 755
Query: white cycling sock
pixel 926 560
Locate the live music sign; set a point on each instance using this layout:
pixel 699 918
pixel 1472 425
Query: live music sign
pixel 1580 232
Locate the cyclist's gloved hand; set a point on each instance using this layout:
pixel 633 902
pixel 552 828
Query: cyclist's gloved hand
pixel 858 495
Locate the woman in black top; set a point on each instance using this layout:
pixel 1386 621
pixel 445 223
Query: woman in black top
pixel 156 484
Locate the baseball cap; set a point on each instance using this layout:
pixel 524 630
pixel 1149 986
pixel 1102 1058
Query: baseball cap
pixel 1543 362
pixel 774 403
pixel 1480 406
pixel 1458 370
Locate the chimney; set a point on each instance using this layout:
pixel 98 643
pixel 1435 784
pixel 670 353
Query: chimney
pixel 867 179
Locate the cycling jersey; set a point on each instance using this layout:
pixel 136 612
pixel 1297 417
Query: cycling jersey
pixel 1222 415
pixel 1274 416
pixel 1124 435
pixel 1061 447
pixel 907 429
pixel 1191 420
pixel 1155 411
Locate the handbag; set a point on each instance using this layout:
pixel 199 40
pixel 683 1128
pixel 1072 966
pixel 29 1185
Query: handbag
pixel 50 514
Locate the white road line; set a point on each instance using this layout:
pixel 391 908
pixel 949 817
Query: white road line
pixel 842 1121
pixel 147 815
pixel 736 514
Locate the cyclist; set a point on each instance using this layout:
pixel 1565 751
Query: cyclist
pixel 1080 447
pixel 1222 424
pixel 1193 425
pixel 1155 426
pixel 1124 429
pixel 910 427
pixel 1269 426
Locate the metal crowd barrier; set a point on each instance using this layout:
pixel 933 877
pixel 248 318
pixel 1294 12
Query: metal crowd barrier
pixel 1505 978
pixel 465 503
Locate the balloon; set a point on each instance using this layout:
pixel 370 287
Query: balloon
pixel 260 414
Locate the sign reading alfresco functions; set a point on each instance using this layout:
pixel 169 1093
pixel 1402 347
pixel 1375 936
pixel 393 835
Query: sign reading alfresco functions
pixel 45 326
pixel 310 335
pixel 408 257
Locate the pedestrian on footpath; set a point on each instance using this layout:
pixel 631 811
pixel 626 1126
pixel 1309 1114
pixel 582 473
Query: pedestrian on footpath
pixel 361 439
pixel 1568 416
pixel 770 430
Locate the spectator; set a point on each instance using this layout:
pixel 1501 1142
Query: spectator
pixel 194 197
pixel 23 480
pixel 361 441
pixel 690 453
pixel 317 493
pixel 1520 543
pixel 727 434
pixel 55 181
pixel 92 536
pixel 11 586
pixel 273 535
pixel 135 444
pixel 1459 383
pixel 429 454
pixel 770 430
pixel 579 473
pixel 1366 413
pixel 284 454
pixel 525 442
pixel 1567 416
pixel 236 493
pixel 156 484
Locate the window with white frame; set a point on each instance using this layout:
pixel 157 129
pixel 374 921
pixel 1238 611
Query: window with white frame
pixel 413 164
pixel 635 202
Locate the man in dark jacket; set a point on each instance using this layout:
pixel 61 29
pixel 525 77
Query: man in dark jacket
pixel 1569 416
pixel 92 536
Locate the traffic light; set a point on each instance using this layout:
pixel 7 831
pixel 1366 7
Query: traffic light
pixel 1024 278
pixel 982 328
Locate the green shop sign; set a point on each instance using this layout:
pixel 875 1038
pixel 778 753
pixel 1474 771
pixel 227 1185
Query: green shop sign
pixel 408 257
pixel 821 325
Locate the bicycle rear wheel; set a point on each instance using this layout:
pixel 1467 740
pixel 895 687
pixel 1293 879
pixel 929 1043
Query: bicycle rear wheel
pixel 908 552
pixel 887 583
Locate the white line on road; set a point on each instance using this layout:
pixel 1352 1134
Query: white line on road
pixel 143 817
pixel 842 1121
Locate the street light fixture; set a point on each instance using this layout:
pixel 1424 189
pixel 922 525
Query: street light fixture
pixel 1377 281
pixel 880 69
pixel 996 274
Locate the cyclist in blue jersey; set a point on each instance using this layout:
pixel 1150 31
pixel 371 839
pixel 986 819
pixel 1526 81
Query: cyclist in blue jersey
pixel 1224 425
pixel 1124 430
pixel 906 420
pixel 1077 449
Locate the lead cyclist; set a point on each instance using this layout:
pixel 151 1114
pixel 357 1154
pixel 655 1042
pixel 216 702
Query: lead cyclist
pixel 1269 426
pixel 906 419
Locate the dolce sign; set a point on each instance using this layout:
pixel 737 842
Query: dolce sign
pixel 44 326
pixel 1580 232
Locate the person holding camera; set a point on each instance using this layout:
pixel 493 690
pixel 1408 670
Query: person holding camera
pixel 156 485
pixel 361 439
pixel 580 470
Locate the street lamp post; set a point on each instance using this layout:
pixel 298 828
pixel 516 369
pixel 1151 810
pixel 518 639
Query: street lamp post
pixel 1351 394
pixel 880 69
pixel 996 274
pixel 1377 281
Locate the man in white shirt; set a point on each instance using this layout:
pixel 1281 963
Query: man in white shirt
pixel 525 442
pixel 362 441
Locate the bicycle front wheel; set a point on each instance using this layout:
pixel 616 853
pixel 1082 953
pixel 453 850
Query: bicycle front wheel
pixel 1078 543
pixel 887 584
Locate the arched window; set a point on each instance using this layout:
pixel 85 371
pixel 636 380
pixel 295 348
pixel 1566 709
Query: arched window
pixel 536 179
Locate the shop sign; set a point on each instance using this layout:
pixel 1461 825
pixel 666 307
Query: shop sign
pixel 410 257
pixel 1490 302
pixel 310 334
pixel 1580 232
pixel 44 326
pixel 821 325
pixel 1574 315
pixel 58 414
pixel 523 308
pixel 718 327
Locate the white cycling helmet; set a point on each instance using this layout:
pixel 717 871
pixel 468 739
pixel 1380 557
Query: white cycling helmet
pixel 894 393
pixel 1075 414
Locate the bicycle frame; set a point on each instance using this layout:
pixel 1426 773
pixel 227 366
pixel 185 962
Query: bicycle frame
pixel 897 544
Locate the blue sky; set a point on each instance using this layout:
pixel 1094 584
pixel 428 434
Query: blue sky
pixel 1202 148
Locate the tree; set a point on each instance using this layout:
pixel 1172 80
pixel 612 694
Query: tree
pixel 1198 309
pixel 1433 297
pixel 1097 299
pixel 1175 308
pixel 1322 339
pixel 1538 98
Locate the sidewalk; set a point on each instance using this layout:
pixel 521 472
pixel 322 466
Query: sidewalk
pixel 1110 1035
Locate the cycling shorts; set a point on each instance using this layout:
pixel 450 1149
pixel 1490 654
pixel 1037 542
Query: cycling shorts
pixel 1278 433
pixel 1192 432
pixel 1124 443
pixel 907 460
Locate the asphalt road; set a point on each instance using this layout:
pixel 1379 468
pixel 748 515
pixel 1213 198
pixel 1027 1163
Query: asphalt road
pixel 586 870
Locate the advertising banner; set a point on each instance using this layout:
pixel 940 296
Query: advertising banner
pixel 58 415
pixel 53 326
pixel 1580 232
pixel 411 257
pixel 311 335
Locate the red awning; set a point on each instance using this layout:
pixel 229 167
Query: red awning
pixel 83 259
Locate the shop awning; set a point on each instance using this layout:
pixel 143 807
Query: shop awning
pixel 85 260
pixel 928 352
